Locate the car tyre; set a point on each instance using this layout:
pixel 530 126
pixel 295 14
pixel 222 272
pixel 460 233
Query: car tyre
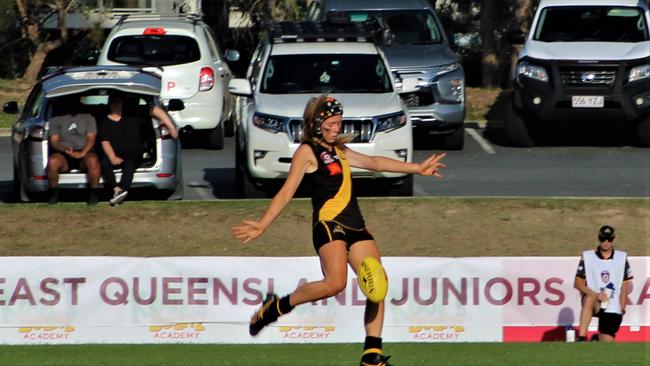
pixel 643 132
pixel 405 189
pixel 245 186
pixel 215 137
pixel 229 128
pixel 455 140
pixel 516 129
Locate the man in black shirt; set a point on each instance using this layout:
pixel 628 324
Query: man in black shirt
pixel 121 140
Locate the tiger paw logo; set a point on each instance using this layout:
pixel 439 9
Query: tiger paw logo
pixel 177 331
pixel 436 333
pixel 338 229
pixel 44 334
pixel 317 333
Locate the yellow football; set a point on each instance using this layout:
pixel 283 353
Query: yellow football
pixel 372 279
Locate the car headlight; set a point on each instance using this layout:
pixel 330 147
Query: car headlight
pixel 452 89
pixel 532 71
pixel 391 122
pixel 447 68
pixel 639 72
pixel 269 123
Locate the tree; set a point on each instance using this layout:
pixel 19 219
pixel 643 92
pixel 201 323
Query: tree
pixel 32 14
pixel 490 72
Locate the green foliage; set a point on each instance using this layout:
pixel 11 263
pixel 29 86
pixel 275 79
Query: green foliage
pixel 12 47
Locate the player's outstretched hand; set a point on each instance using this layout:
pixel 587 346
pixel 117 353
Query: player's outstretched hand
pixel 247 231
pixel 432 164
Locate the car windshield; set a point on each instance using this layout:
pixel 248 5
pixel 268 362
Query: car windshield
pixel 317 73
pixel 408 26
pixel 154 50
pixel 591 24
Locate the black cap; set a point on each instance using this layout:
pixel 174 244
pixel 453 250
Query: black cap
pixel 606 233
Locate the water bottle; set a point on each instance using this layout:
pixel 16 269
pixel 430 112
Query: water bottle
pixel 570 334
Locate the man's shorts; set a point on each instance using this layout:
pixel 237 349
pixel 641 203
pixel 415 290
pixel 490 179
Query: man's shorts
pixel 73 163
pixel 609 323
pixel 327 231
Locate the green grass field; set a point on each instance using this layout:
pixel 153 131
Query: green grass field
pixel 441 354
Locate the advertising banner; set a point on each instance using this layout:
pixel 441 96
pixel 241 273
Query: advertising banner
pixel 61 300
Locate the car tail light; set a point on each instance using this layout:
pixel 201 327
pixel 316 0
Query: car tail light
pixel 39 177
pixel 154 32
pixel 206 79
pixel 164 175
pixel 35 133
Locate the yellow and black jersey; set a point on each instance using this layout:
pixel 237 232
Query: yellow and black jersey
pixel 331 187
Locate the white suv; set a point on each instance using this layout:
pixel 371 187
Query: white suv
pixel 297 61
pixel 184 50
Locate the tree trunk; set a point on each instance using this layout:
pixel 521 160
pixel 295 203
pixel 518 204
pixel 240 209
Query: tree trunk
pixel 523 17
pixel 32 31
pixel 37 60
pixel 490 60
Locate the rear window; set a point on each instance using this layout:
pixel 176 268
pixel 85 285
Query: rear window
pixel 154 50
pixel 409 27
pixel 331 73
pixel 591 24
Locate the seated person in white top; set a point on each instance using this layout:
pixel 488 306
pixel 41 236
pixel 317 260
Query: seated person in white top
pixel 603 278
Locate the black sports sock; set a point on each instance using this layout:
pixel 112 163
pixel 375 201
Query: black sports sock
pixel 284 305
pixel 372 342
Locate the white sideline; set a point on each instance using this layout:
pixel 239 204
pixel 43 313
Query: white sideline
pixel 481 141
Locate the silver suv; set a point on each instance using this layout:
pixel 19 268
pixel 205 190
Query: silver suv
pixel 161 159
pixel 192 66
pixel 429 76
pixel 297 61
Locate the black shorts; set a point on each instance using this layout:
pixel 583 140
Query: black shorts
pixel 327 231
pixel 609 323
pixel 73 164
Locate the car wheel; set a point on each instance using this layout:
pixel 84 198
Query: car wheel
pixel 516 128
pixel 229 127
pixel 215 137
pixel 405 189
pixel 455 140
pixel 643 132
pixel 245 186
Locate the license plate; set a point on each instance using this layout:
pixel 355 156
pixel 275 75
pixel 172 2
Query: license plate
pixel 587 101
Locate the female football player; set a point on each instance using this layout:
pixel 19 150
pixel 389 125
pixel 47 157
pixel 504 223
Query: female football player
pixel 340 236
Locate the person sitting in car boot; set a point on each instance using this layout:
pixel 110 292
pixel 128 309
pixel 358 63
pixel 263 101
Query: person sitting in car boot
pixel 121 140
pixel 71 147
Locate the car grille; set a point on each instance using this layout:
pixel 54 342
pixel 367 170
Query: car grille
pixel 418 98
pixel 581 76
pixel 362 129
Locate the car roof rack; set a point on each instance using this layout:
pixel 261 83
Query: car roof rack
pixel 193 17
pixel 337 28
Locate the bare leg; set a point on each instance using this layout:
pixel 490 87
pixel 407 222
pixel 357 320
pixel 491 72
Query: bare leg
pixel 605 338
pixel 92 167
pixel 333 259
pixel 374 314
pixel 56 164
pixel 590 306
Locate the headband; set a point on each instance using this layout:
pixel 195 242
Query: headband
pixel 331 107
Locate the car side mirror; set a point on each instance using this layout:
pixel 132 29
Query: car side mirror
pixel 241 87
pixel 175 105
pixel 232 55
pixel 516 36
pixel 10 107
